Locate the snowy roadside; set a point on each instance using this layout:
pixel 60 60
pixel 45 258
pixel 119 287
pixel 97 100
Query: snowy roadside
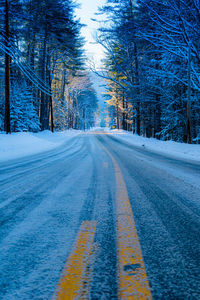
pixel 23 144
pixel 178 150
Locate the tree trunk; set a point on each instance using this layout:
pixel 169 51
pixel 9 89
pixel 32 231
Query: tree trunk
pixel 117 114
pixel 124 123
pixel 7 72
pixel 43 108
pixel 138 117
pixel 157 117
pixel 189 135
pixel 77 116
pixel 51 105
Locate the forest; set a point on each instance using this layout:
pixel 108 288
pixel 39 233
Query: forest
pixel 152 67
pixel 44 83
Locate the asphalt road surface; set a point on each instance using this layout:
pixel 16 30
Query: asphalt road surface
pixel 99 219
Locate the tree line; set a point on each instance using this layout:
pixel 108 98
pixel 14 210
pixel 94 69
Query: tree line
pixel 43 81
pixel 152 67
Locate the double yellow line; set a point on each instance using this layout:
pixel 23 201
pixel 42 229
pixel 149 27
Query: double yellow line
pixel 132 277
pixel 73 282
pixel 133 282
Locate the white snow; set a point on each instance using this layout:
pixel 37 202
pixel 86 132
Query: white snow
pixel 22 144
pixel 179 150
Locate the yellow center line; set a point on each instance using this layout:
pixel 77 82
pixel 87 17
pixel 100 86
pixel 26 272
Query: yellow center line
pixel 71 286
pixel 133 281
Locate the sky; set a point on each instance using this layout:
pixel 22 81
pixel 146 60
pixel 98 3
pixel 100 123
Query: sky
pixel 85 13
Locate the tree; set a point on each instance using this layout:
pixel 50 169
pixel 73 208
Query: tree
pixel 44 40
pixel 153 59
pixel 23 113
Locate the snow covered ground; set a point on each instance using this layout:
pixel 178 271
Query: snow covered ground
pixel 180 150
pixel 21 144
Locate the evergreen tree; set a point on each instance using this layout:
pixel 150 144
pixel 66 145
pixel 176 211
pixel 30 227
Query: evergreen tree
pixel 153 58
pixel 44 40
pixel 23 113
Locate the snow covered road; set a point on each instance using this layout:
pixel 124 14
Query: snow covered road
pixel 46 198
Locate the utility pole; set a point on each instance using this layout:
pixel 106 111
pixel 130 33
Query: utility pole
pixel 189 135
pixel 7 72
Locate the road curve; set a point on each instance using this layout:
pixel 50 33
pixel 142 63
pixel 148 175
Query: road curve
pixel 46 199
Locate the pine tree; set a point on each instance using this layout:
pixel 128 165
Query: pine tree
pixel 23 113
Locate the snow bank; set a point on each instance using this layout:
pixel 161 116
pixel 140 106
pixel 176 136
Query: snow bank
pixel 180 150
pixel 21 144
